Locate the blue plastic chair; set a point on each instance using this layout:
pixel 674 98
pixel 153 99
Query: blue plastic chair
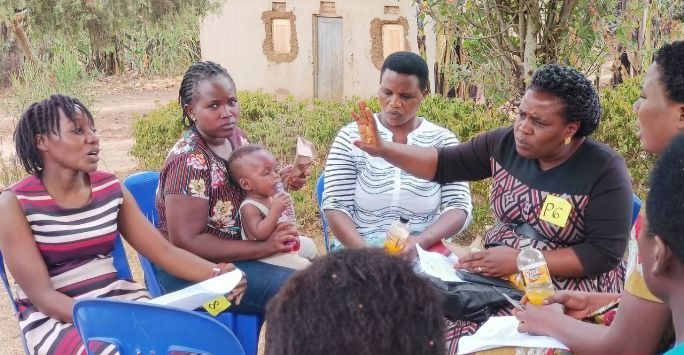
pixel 144 328
pixel 143 187
pixel 320 186
pixel 120 263
pixel 636 207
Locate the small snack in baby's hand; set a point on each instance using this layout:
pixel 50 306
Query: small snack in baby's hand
pixel 368 135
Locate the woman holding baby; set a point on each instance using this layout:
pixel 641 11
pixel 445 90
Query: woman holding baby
pixel 198 207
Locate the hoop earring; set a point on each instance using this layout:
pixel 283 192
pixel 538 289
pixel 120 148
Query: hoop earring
pixel 567 140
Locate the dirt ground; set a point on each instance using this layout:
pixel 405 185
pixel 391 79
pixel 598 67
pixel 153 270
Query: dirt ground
pixel 117 99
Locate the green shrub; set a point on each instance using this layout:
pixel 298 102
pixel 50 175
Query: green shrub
pixel 618 130
pixel 155 134
pixel 277 124
pixel 59 72
pixel 11 170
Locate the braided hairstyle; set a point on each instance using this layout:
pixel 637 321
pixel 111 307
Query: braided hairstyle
pixel 577 95
pixel 197 73
pixel 43 118
pixel 356 301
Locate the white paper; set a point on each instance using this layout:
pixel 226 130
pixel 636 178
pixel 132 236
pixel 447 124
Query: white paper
pixel 503 331
pixel 197 295
pixel 438 265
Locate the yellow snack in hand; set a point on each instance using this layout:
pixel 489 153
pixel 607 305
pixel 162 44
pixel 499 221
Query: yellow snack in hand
pixel 366 131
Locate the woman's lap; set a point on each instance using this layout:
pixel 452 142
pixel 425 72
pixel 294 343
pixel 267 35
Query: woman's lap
pixel 263 282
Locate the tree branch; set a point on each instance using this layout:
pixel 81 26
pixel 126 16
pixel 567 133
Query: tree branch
pixel 499 20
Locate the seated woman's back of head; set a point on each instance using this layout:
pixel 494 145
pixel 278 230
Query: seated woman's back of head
pixel 355 302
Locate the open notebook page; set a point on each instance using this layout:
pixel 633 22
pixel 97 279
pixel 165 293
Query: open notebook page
pixel 196 295
pixel 503 331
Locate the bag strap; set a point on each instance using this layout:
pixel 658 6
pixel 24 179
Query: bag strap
pixel 526 230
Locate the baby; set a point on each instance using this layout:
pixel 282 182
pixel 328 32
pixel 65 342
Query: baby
pixel 254 170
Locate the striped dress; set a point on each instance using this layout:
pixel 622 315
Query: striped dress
pixel 76 244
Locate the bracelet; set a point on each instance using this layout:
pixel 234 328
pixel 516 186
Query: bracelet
pixel 217 270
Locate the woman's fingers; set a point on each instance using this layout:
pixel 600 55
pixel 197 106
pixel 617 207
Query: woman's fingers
pixel 524 300
pixel 478 255
pixel 227 268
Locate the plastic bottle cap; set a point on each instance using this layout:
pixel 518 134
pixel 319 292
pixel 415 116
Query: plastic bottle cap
pixel 403 220
pixel 525 242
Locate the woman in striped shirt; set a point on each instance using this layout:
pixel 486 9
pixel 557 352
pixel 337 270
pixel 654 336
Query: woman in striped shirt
pixel 364 194
pixel 58 227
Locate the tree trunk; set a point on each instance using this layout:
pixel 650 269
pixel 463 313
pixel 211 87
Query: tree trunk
pixel 529 54
pixel 23 41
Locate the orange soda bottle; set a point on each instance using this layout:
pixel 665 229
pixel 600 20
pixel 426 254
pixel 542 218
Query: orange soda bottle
pixel 532 265
pixel 397 236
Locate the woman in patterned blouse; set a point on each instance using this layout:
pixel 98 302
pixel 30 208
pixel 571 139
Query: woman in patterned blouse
pixel 198 206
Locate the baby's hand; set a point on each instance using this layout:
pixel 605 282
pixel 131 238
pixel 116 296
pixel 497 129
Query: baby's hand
pixel 280 202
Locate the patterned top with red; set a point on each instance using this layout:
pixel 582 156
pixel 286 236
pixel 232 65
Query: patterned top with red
pixel 634 283
pixel 594 180
pixel 193 169
pixel 76 246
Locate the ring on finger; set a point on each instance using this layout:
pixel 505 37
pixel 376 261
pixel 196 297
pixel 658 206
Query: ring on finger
pixel 479 269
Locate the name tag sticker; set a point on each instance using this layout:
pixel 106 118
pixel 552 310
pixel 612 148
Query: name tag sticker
pixel 217 306
pixel 555 210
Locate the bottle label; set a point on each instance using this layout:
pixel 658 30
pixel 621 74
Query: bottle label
pixel 394 244
pixel 536 274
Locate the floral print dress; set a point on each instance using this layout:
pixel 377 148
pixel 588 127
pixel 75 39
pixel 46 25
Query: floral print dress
pixel 193 169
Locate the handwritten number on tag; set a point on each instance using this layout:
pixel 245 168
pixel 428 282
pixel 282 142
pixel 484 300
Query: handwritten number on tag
pixel 555 210
pixel 217 306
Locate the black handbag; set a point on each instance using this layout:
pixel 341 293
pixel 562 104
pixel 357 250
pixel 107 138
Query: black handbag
pixel 476 299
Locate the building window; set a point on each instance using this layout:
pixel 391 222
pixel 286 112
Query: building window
pixel 281 35
pixel 392 39
pixel 391 10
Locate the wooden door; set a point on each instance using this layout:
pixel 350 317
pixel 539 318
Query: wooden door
pixel 329 58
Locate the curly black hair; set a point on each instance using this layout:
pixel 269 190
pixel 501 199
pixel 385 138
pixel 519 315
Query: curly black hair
pixel 195 74
pixel 407 63
pixel 664 207
pixel 42 117
pixel 670 60
pixel 577 95
pixel 361 302
pixel 234 173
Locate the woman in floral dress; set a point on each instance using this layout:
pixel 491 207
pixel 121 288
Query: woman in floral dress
pixel 198 207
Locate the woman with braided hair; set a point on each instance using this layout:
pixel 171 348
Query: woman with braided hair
pixel 197 204
pixel 543 161
pixel 58 228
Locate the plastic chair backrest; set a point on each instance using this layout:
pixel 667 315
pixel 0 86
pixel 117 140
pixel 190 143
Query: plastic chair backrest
pixel 143 187
pixel 3 275
pixel 121 260
pixel 320 186
pixel 636 208
pixel 120 263
pixel 144 328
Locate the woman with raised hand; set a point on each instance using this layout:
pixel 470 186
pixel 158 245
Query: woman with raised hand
pixel 58 227
pixel 638 320
pixel 544 158
pixel 198 206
